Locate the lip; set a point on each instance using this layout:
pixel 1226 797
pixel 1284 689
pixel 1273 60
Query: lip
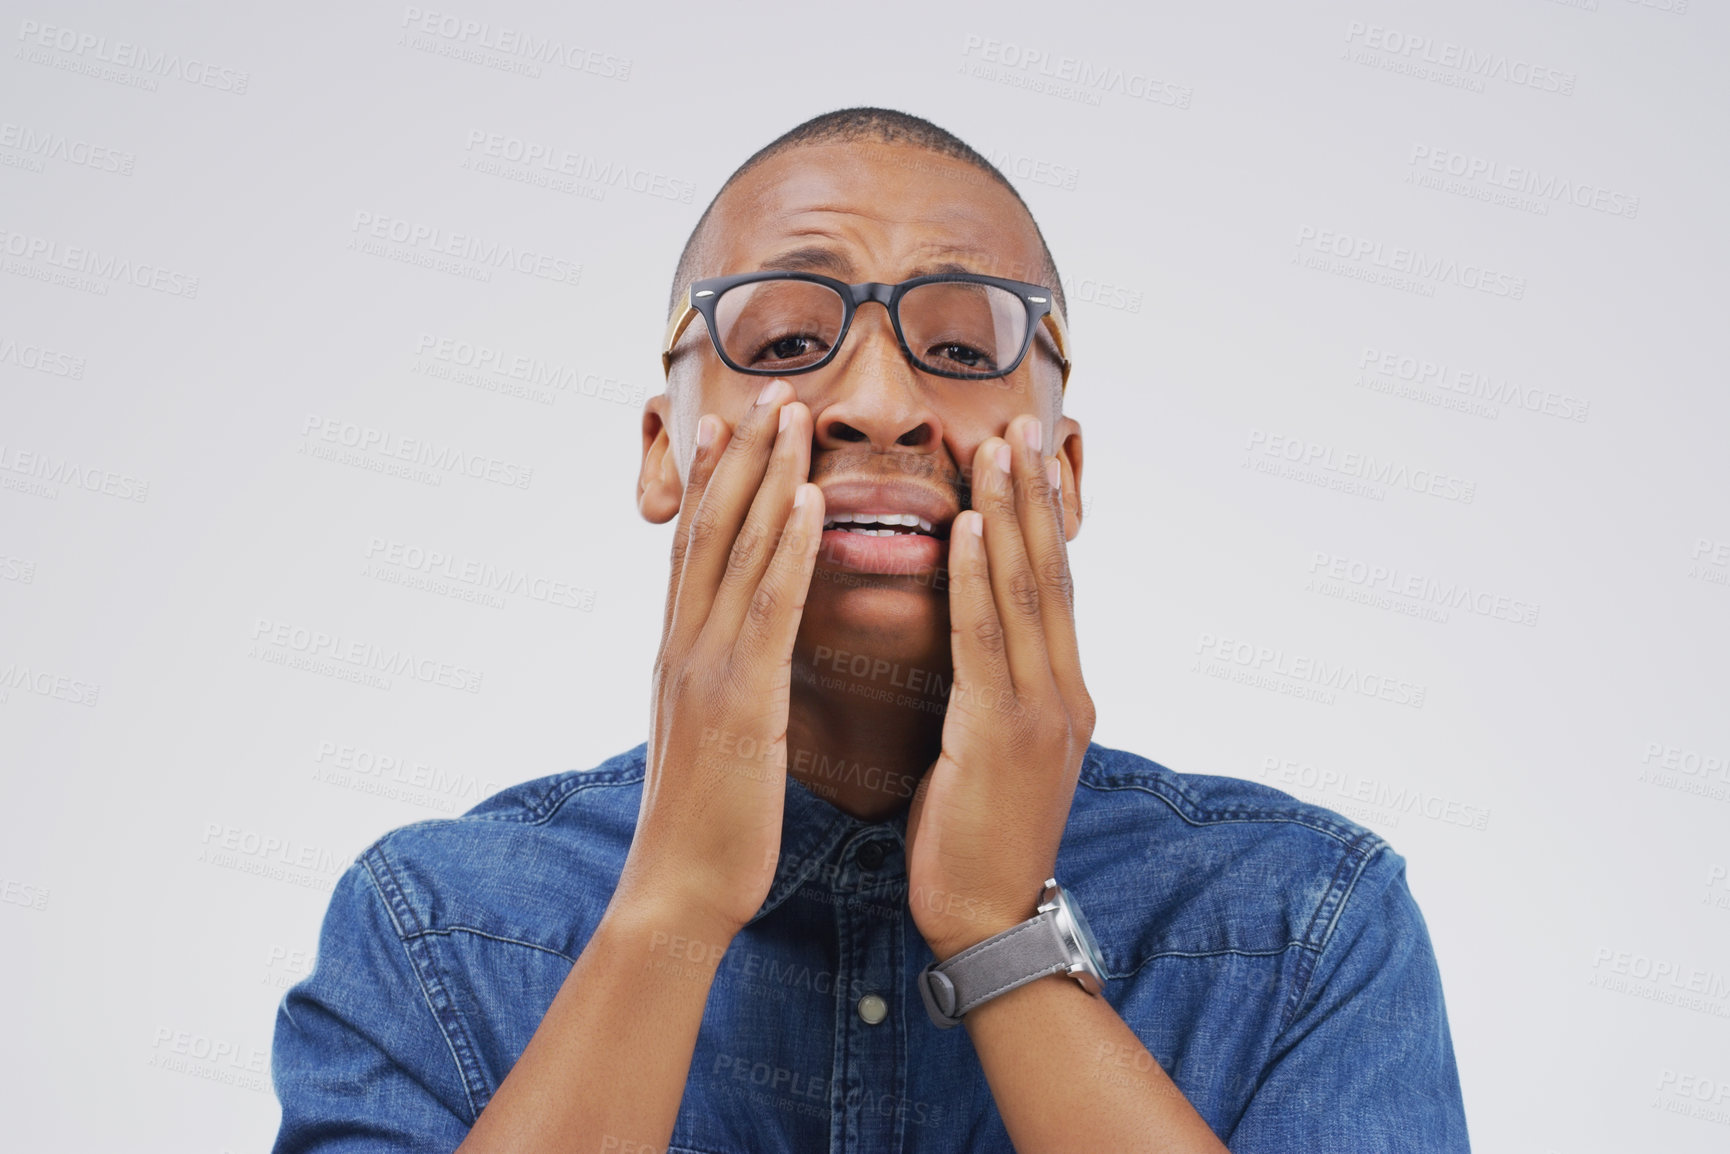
pixel 904 554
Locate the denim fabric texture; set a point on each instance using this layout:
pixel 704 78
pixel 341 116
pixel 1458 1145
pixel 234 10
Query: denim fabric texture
pixel 1267 952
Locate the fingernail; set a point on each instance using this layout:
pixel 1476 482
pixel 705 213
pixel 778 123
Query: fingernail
pixel 1033 435
pixel 786 418
pixel 800 494
pixel 1054 474
pixel 1001 456
pixel 768 391
pixel 974 524
pixel 706 431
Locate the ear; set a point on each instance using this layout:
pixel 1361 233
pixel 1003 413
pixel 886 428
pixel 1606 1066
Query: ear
pixel 659 486
pixel 1069 458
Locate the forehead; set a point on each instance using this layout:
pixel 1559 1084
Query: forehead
pixel 880 211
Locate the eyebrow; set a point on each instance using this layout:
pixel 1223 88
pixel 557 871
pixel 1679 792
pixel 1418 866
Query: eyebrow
pixel 814 258
pixel 811 258
pixel 941 266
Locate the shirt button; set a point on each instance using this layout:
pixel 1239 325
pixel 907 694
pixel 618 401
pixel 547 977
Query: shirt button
pixel 872 1009
pixel 871 854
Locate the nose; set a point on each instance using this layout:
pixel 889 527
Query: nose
pixel 874 395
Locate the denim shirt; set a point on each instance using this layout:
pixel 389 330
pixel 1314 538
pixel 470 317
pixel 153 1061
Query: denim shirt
pixel 1267 952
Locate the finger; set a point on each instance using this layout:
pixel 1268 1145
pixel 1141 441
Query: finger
pixel 777 604
pixel 720 511
pixel 975 630
pixel 1040 509
pixel 1012 578
pixel 755 544
pixel 712 438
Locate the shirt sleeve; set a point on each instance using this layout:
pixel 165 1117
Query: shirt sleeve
pixel 1366 1065
pixel 359 1060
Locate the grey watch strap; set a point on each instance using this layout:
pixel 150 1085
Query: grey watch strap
pixel 1011 959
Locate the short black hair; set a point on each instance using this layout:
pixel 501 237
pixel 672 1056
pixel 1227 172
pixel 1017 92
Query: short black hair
pixel 848 124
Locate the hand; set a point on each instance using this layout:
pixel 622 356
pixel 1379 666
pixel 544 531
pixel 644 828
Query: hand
pixel 986 820
pixel 709 825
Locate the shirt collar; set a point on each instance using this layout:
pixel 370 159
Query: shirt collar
pixel 811 832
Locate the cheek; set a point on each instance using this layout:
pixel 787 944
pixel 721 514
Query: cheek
pixel 981 409
pixel 962 446
pixel 966 427
pixel 695 396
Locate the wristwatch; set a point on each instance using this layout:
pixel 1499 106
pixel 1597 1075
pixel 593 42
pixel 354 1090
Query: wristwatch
pixel 1055 940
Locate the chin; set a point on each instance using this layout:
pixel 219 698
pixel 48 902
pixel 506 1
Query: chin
pixel 873 617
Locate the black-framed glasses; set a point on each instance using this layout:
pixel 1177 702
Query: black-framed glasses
pixel 965 326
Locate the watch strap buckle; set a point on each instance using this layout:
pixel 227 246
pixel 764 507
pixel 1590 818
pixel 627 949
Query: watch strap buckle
pixel 938 993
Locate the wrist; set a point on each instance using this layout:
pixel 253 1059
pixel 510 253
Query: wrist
pixel 1054 941
pixel 700 893
pixel 670 925
pixel 945 945
pixel 965 923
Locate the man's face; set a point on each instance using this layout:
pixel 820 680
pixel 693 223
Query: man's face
pixel 888 437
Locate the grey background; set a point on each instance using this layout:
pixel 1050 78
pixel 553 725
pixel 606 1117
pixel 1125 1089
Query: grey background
pixel 177 800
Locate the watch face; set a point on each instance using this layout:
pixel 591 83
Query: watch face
pixel 1073 924
pixel 1083 933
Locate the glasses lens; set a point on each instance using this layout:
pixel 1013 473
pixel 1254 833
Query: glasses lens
pixel 778 326
pixel 964 329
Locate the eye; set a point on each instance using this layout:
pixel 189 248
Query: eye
pixel 789 346
pixel 793 348
pixel 963 357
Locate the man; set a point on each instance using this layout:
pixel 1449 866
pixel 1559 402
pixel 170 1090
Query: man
pixel 870 755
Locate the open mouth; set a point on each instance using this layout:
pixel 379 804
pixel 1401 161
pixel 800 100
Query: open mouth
pixel 881 524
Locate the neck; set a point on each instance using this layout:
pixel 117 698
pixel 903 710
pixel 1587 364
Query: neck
pixel 862 742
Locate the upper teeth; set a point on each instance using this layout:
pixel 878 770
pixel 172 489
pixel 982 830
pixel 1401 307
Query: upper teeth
pixel 878 519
